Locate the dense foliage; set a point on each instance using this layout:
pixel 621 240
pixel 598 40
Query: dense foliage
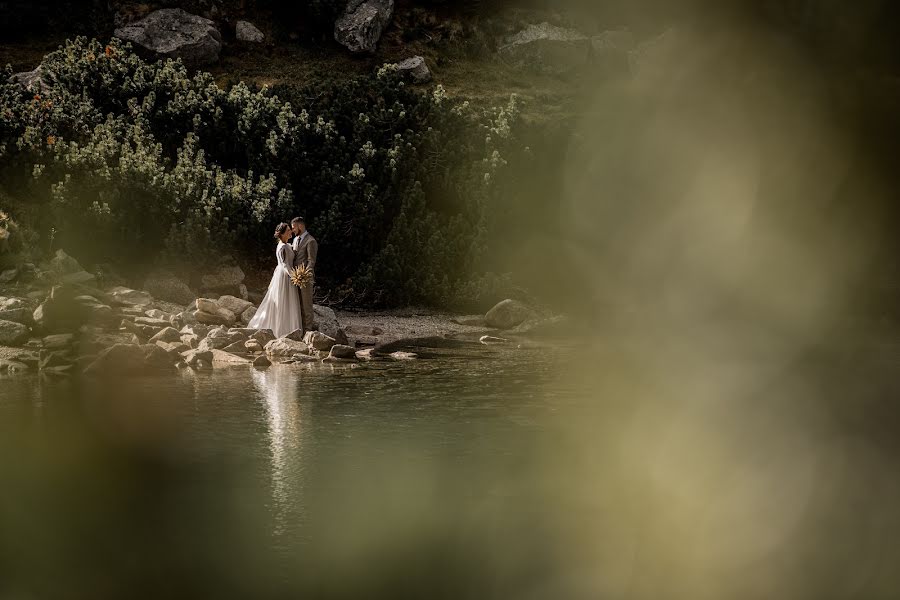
pixel 140 163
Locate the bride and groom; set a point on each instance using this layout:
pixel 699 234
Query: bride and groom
pixel 287 308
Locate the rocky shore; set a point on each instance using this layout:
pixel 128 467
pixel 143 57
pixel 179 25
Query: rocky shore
pixel 59 320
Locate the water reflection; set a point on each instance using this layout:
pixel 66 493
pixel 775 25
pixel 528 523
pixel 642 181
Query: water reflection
pixel 278 390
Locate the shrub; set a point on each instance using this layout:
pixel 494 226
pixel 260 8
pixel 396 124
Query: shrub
pixel 141 162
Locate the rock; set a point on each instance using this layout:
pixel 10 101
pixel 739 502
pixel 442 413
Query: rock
pixel 235 305
pixel 248 314
pixel 334 360
pixel 79 278
pixel 400 355
pixel 243 293
pixel 471 321
pixel 173 350
pixel 95 343
pixel 195 329
pixel 9 275
pixel 236 348
pixel 263 336
pixel 209 312
pixel 489 339
pixel 285 347
pixel 143 331
pixel 223 358
pixel 59 340
pixel 559 326
pixel 118 359
pixel 224 277
pixel 18 315
pixel 247 32
pixel 157 359
pixel 253 346
pixel 174 33
pixel 186 317
pixel 507 314
pixel 12 366
pixel 94 311
pixel 610 52
pixel 129 297
pixel 363 330
pixel 215 341
pixel 415 69
pixel 342 351
pixel 296 335
pixel 62 263
pixel 545 47
pixel 192 358
pixel 261 362
pixel 241 333
pixel 36 80
pixel 318 340
pixel 362 23
pixel 150 322
pixel 155 313
pixel 327 322
pixel 167 334
pixel 12 333
pixel 164 285
pixel 302 358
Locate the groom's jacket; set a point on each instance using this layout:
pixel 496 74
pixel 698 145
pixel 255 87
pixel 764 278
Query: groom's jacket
pixel 305 252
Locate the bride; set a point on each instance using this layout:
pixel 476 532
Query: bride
pixel 280 309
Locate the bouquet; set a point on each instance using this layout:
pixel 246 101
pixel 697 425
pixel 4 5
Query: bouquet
pixel 301 276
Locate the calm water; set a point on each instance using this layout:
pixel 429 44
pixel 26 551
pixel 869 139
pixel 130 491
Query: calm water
pixel 539 472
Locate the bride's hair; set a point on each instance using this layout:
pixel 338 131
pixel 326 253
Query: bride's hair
pixel 280 229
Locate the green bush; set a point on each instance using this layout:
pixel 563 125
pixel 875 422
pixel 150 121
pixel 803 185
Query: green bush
pixel 141 163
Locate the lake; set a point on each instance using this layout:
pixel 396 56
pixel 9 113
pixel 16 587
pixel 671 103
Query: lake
pixel 594 470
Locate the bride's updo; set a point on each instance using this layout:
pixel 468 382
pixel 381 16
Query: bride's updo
pixel 280 229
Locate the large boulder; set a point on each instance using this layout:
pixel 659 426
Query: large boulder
pixel 415 69
pixel 246 31
pixel 507 314
pixel 327 323
pixel 64 311
pixel 223 278
pixel 285 347
pixel 12 333
pixel 164 285
pixel 547 48
pixel 362 23
pixel 174 33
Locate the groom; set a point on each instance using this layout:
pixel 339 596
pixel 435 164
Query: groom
pixel 305 250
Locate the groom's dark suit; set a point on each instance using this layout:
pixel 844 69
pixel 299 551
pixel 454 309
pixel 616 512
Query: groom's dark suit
pixel 305 250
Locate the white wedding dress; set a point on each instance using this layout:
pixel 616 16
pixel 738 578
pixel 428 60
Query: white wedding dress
pixel 280 309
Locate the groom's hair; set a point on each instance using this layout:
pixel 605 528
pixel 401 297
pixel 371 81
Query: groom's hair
pixel 298 220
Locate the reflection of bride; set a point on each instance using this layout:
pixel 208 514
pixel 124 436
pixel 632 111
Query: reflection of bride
pixel 277 390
